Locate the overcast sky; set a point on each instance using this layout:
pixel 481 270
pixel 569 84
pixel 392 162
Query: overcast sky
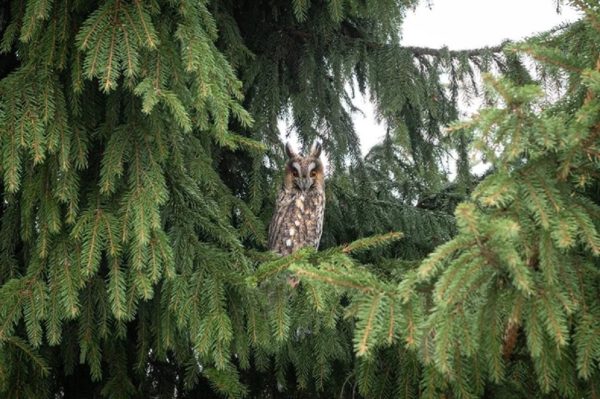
pixel 465 24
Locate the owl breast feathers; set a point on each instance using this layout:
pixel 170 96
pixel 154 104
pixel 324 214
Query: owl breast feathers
pixel 298 218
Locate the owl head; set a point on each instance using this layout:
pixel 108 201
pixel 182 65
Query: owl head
pixel 304 173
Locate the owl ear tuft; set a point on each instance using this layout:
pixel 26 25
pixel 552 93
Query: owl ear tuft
pixel 289 150
pixel 315 150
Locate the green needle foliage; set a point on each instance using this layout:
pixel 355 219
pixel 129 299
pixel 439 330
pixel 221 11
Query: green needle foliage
pixel 140 155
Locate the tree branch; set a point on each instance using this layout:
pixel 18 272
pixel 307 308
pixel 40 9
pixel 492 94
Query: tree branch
pixel 423 51
pixel 417 51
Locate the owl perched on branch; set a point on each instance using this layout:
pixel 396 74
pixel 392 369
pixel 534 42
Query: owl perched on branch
pixel 298 218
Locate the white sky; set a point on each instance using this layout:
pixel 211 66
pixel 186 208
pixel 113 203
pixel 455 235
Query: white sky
pixel 464 24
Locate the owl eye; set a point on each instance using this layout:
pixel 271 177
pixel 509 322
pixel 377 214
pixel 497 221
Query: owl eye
pixel 313 173
pixel 295 173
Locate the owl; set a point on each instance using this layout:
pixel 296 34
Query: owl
pixel 298 218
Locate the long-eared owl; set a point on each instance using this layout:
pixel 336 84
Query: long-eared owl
pixel 298 218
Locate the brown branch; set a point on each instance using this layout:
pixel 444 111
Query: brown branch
pixel 509 340
pixel 417 51
pixel 477 52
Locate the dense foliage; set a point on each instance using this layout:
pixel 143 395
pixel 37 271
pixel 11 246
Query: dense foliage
pixel 139 158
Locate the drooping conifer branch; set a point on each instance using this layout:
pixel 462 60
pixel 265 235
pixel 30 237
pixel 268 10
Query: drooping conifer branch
pixel 445 52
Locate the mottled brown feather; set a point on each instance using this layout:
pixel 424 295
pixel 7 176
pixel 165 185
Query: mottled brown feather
pixel 298 218
pixel 297 221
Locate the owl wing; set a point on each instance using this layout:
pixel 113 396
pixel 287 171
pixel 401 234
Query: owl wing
pixel 320 220
pixel 297 221
pixel 315 219
pixel 281 209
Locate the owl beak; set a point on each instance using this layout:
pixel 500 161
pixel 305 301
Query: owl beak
pixel 305 183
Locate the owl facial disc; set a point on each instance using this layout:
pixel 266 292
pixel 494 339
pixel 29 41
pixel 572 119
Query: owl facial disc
pixel 303 171
pixel 304 176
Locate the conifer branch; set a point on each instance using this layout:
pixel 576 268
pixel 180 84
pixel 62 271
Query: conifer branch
pixel 93 28
pixel 444 52
pixel 415 50
pixel 272 268
pixel 334 281
pixel 590 13
pixel 39 361
pixel 363 346
pixel 148 32
pixel 371 242
pixel 165 183
pixel 543 57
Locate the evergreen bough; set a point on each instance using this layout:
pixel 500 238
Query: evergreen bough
pixel 139 153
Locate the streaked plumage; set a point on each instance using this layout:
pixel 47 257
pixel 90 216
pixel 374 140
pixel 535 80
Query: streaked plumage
pixel 298 218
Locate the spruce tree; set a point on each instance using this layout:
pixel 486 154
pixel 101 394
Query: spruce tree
pixel 140 154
